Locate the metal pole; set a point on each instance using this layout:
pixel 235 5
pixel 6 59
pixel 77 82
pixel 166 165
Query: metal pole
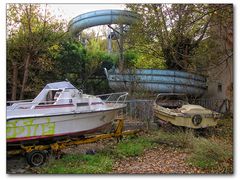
pixel 109 41
pixel 121 59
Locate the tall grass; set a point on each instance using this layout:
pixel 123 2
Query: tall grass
pixel 211 155
pixel 178 138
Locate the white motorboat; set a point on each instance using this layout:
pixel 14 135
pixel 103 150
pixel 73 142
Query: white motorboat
pixel 61 110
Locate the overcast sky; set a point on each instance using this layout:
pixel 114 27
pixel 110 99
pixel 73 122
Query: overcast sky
pixel 69 11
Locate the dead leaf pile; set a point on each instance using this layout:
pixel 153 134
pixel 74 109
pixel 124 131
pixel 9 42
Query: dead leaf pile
pixel 159 160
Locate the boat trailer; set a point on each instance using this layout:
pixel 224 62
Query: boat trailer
pixel 36 155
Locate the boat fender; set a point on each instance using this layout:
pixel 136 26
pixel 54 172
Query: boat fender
pixel 197 119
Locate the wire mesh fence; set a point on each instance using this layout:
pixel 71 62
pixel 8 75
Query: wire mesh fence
pixel 139 113
pixel 142 110
pixel 139 110
pixel 218 105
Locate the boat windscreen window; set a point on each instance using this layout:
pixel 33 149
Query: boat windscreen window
pixel 82 104
pixel 57 94
pixel 52 95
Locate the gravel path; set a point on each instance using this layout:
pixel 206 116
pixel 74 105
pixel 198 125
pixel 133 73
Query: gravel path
pixel 159 160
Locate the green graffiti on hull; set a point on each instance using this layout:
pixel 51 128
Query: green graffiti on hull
pixel 30 127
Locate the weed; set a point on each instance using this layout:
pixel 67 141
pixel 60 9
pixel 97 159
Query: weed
pixel 225 129
pixel 175 139
pixel 132 147
pixel 210 154
pixel 101 162
pixel 80 164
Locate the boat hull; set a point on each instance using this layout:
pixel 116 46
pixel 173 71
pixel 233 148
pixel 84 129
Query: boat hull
pixel 33 128
pixel 185 121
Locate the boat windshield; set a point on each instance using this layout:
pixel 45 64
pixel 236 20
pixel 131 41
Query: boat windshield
pixel 51 92
pixel 52 95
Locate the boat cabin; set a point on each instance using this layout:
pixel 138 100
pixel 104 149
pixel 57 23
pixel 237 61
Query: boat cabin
pixel 60 94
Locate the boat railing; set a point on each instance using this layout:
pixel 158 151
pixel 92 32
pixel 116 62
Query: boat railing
pixel 115 98
pixel 21 105
pixel 9 103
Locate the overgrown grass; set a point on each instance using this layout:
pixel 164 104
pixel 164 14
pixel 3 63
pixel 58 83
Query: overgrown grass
pixel 179 139
pixel 211 155
pixel 99 163
pixel 79 164
pixel 132 147
pixel 225 129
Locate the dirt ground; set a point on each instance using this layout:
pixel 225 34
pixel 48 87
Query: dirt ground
pixel 159 160
pixel 18 164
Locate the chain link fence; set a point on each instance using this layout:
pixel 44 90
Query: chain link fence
pixel 139 110
pixel 218 105
pixel 138 113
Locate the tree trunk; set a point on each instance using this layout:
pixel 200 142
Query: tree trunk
pixel 25 75
pixel 14 82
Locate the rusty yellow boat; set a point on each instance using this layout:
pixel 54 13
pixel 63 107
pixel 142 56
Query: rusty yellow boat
pixel 175 109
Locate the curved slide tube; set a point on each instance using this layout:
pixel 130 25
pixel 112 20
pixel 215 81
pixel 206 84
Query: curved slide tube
pixel 158 81
pixel 101 17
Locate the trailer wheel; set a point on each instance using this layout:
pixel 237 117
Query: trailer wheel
pixel 36 158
